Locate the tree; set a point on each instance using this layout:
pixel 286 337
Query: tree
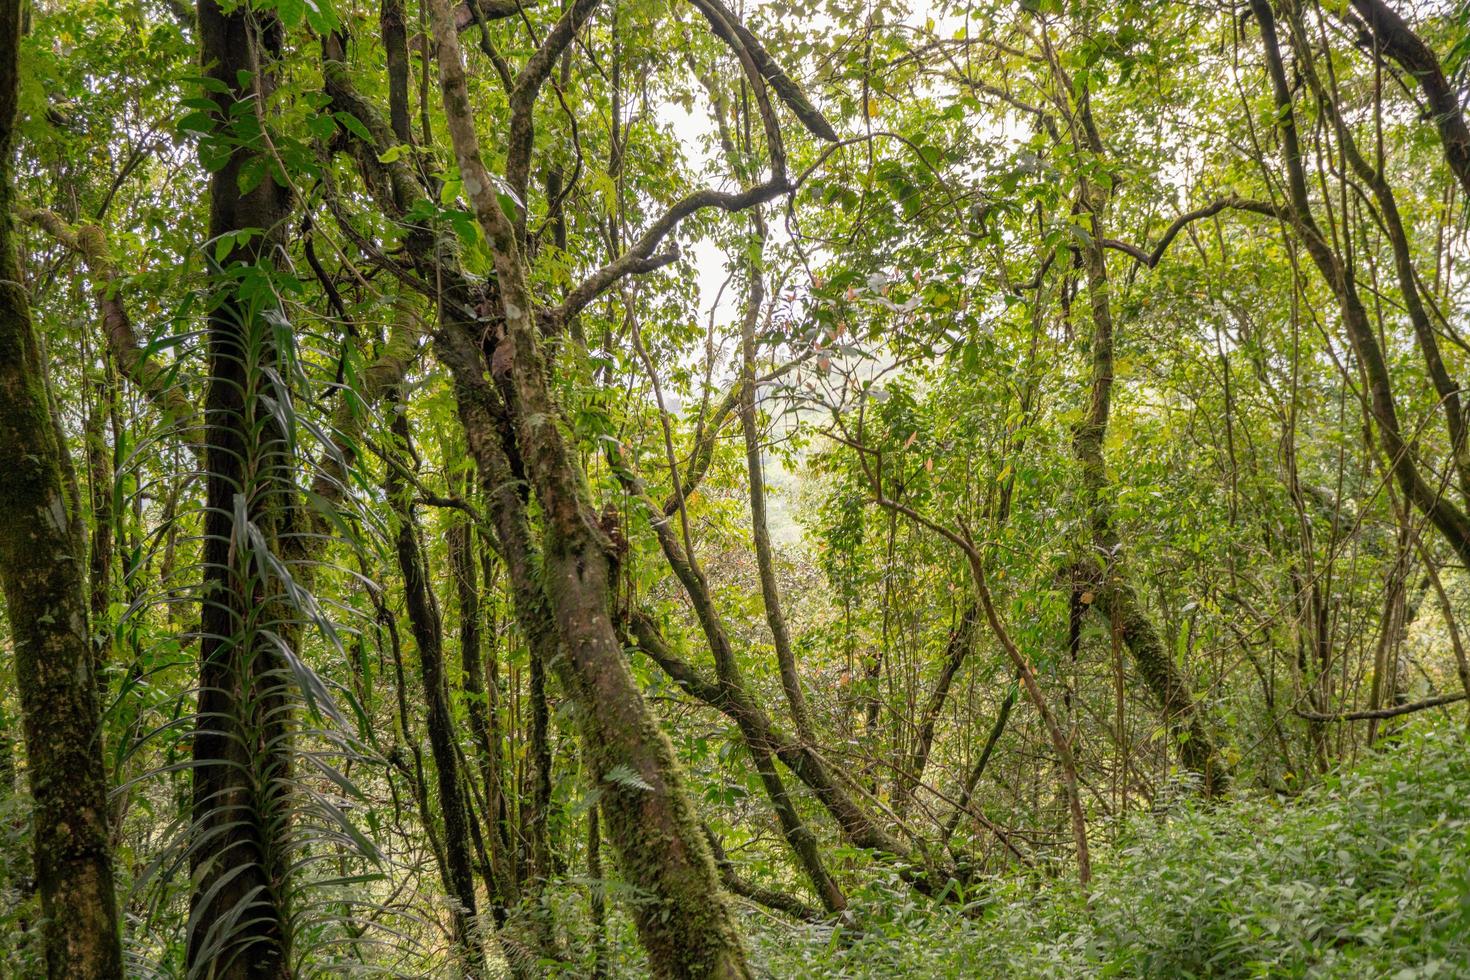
pixel 42 562
pixel 875 465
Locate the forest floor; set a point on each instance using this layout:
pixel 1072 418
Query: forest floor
pixel 1365 875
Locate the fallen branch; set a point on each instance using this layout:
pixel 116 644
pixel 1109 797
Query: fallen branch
pixel 1379 713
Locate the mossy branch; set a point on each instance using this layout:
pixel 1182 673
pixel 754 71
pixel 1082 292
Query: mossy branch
pixel 156 380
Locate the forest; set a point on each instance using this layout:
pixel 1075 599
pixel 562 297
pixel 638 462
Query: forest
pixel 734 488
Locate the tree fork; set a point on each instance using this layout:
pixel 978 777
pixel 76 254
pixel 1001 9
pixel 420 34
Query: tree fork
pixel 687 927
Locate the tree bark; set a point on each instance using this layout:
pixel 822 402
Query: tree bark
pixel 765 559
pixel 1115 595
pixel 1394 37
pixel 239 919
pixel 686 925
pixel 425 623
pixel 44 581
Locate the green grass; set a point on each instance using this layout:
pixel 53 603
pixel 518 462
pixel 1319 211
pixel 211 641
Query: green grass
pixel 1368 875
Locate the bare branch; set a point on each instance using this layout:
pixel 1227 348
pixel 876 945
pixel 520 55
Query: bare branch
pixel 1380 713
pixel 1151 259
pixel 728 28
pixel 632 261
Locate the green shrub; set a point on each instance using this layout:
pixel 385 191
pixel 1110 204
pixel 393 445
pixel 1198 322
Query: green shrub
pixel 1367 875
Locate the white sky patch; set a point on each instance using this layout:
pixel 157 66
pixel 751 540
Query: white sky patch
pixel 695 132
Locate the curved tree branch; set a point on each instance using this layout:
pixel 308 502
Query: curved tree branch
pixel 134 361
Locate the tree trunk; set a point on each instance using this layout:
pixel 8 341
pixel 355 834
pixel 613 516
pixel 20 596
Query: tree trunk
pixel 765 559
pixel 44 580
pixel 685 924
pixel 619 732
pixel 1394 37
pixel 1115 596
pixel 536 816
pixel 425 623
pixel 100 466
pixel 240 926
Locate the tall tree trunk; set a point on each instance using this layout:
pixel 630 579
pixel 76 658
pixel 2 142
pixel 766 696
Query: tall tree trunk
pixel 685 924
pixel 536 816
pixel 44 582
pixel 1101 579
pixel 395 48
pixel 765 559
pixel 1114 594
pixel 425 623
pixel 619 737
pixel 477 706
pixel 1392 223
pixel 240 926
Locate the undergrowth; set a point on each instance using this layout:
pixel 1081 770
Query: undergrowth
pixel 1367 875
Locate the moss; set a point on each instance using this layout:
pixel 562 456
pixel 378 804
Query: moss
pixel 42 579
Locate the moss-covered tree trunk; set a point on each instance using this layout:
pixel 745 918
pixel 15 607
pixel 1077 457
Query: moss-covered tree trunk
pixel 1104 583
pixel 760 533
pixel 684 922
pixel 625 749
pixel 1102 580
pixel 42 556
pixel 561 592
pixel 755 731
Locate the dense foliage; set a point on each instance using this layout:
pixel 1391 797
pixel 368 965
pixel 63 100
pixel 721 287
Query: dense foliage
pixel 713 490
pixel 1362 876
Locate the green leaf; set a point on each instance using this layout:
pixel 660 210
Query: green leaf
pixel 507 205
pixel 625 775
pixel 291 12
pixel 321 17
pixel 196 122
pixel 252 172
pixel 353 125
